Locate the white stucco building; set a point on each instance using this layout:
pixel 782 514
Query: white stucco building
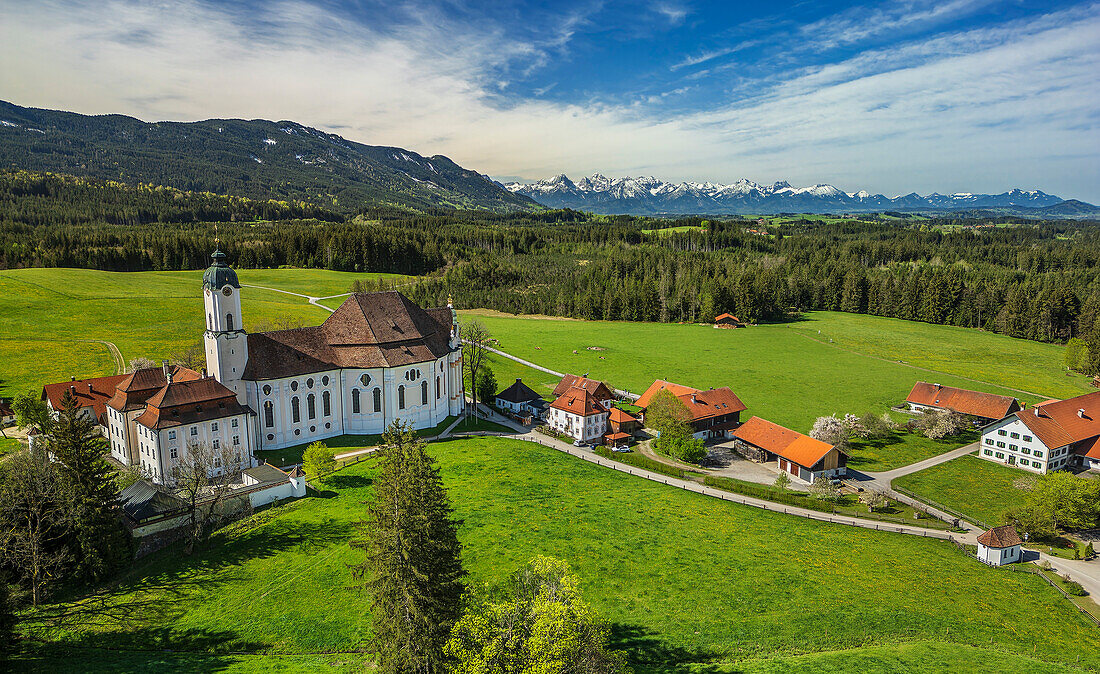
pixel 1000 545
pixel 1054 435
pixel 578 414
pixel 376 359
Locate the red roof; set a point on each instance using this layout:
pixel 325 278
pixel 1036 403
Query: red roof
pixel 5 410
pixel 189 402
pixel 579 401
pixel 660 385
pixel 132 392
pixel 1062 422
pixel 619 416
pixel 974 403
pixel 94 393
pixel 711 403
pixel 594 386
pixel 1000 537
pixel 618 436
pixel 726 316
pixel 791 445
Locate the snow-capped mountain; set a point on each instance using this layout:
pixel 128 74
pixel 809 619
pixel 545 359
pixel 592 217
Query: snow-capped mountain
pixel 649 196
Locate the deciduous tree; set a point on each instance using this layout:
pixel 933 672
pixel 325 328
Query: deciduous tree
pixel 318 459
pixel 475 339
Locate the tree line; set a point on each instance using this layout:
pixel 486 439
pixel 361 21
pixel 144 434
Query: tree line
pixel 1034 280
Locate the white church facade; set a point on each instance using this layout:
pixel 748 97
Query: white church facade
pixel 378 358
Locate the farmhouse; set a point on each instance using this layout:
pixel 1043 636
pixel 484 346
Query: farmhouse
pixel 727 321
pixel 579 414
pixel 984 406
pixel 999 545
pixel 521 399
pixel 800 455
pixel 7 415
pixel 1054 435
pixel 715 413
pixel 599 390
pixel 621 421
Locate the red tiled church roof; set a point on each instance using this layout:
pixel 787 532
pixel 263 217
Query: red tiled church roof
pixel 368 330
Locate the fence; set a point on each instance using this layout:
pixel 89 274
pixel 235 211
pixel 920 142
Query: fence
pixel 755 503
pixel 1037 572
pixel 940 506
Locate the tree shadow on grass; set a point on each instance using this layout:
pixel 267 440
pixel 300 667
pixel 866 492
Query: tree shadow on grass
pixel 347 481
pixel 649 653
pixel 161 650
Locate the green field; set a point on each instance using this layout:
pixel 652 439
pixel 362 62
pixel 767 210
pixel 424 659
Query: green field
pixel 901 449
pixel 151 314
pixel 972 486
pixel 784 373
pixel 683 578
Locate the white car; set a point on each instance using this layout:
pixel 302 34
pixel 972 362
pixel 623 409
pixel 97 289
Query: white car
pixel 579 443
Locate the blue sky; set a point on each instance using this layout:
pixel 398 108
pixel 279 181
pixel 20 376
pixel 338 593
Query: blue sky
pixel 892 97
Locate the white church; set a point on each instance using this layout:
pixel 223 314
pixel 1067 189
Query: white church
pixel 376 359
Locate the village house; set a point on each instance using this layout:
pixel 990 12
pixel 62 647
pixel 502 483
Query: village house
pixel 983 406
pixel 7 415
pixel 803 457
pixel 999 545
pixel 579 414
pixel 599 390
pixel 621 421
pixel 1053 435
pixel 715 413
pixel 521 400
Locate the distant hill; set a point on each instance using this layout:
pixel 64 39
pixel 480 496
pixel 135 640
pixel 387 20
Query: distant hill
pixel 652 196
pixel 259 159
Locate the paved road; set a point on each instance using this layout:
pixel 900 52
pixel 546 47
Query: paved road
pixel 889 475
pixel 315 301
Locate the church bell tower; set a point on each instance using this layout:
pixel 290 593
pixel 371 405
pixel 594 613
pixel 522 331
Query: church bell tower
pixel 225 339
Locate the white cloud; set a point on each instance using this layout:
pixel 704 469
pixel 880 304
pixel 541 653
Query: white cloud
pixel 981 111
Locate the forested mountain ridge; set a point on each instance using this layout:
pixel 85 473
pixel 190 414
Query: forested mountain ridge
pixel 1036 280
pixel 259 159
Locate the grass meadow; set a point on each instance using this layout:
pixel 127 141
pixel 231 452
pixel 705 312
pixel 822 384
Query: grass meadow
pixel 682 578
pixel 785 373
pixel 50 313
pixel 972 486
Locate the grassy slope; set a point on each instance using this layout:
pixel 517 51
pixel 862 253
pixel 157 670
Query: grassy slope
pixel 152 314
pixel 777 370
pixel 901 449
pixel 682 577
pixel 970 485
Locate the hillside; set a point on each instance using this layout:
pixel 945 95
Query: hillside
pixel 259 159
pixel 653 196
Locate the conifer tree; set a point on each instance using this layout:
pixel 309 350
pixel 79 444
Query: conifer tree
pixel 75 442
pixel 412 566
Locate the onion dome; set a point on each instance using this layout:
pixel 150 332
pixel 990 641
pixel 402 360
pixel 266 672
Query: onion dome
pixel 219 274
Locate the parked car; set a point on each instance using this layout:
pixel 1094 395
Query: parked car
pixel 620 449
pixel 579 443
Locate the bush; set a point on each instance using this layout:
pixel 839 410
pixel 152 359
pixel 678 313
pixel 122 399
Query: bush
pixel 1074 588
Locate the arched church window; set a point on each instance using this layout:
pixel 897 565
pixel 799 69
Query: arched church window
pixel 326 403
pixel 377 399
pixel 311 406
pixel 269 414
pixel 438 387
pixel 365 379
pixel 324 380
pixel 424 392
pixel 295 410
pixel 309 383
pixel 355 400
pixel 401 397
pixel 229 322
pixel 294 386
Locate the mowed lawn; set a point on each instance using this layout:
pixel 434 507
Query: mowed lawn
pixel 901 449
pixel 151 314
pixel 970 485
pixel 682 577
pixel 778 371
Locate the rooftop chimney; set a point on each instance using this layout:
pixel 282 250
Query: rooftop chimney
pixel 89 387
pixel 1081 413
pixel 72 377
pixel 167 371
